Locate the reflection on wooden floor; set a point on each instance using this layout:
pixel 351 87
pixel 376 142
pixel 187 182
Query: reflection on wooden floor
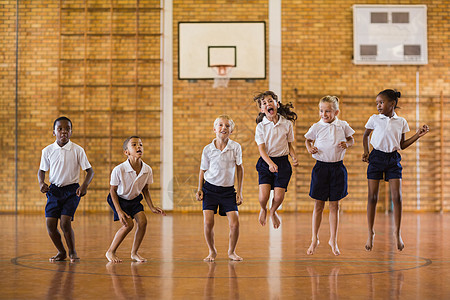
pixel 275 263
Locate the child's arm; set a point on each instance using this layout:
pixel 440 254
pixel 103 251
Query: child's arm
pixel 420 132
pixel 115 200
pixel 309 146
pixel 262 151
pixel 365 156
pixel 348 143
pixel 201 178
pixel 240 181
pixel 42 185
pixel 293 155
pixel 81 191
pixel 148 199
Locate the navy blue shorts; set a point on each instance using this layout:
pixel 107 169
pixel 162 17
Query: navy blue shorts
pixel 328 181
pixel 382 163
pixel 279 179
pixel 62 201
pixel 130 207
pixel 220 197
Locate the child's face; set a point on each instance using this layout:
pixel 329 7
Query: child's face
pixel 222 129
pixel 327 112
pixel 269 107
pixel 135 148
pixel 63 132
pixel 384 106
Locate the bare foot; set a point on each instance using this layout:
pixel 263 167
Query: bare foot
pixel 138 258
pixel 275 220
pixel 312 248
pixel 74 257
pixel 399 241
pixel 263 216
pixel 235 257
pixel 211 256
pixel 334 248
pixel 112 257
pixel 369 243
pixel 58 257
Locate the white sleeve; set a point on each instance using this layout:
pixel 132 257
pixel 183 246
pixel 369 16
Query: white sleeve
pixel 348 130
pixel 370 123
pixel 150 176
pixel 405 127
pixel 239 155
pixel 45 163
pixel 290 136
pixel 115 178
pixel 311 134
pixel 82 158
pixel 204 165
pixel 259 134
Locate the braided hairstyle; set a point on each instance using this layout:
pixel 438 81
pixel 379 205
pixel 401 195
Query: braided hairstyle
pixel 283 109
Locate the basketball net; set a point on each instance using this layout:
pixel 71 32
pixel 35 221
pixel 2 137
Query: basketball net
pixel 222 75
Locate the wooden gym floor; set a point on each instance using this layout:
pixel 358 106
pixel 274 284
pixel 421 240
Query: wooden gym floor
pixel 275 263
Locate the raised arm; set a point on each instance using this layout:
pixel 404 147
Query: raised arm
pixel 420 132
pixel 365 156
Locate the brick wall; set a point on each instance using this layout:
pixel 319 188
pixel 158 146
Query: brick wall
pixel 99 81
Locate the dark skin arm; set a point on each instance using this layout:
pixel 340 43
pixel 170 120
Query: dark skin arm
pixel 81 191
pixel 42 185
pixel 365 156
pixel 420 132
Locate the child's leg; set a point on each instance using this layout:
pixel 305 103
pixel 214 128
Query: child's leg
pixel 396 194
pixel 52 229
pixel 264 194
pixel 118 238
pixel 69 235
pixel 278 197
pixel 372 199
pixel 316 220
pixel 334 224
pixel 141 223
pixel 233 220
pixel 208 220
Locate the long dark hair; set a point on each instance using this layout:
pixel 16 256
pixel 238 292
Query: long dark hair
pixel 392 95
pixel 284 109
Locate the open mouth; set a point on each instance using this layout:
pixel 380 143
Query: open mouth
pixel 270 110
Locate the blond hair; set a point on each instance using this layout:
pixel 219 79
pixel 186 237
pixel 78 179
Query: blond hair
pixel 225 117
pixel 333 100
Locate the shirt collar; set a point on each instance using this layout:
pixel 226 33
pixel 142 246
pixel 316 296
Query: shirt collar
pixel 67 146
pixel 213 146
pixel 335 122
pixel 266 121
pixel 386 117
pixel 129 168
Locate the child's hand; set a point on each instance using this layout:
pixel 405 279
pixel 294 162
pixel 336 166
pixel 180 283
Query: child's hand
pixel 239 199
pixel 123 218
pixel 157 210
pixel 343 145
pixel 81 191
pixel 365 157
pixel 44 188
pixel 313 150
pixel 294 161
pixel 424 130
pixel 273 168
pixel 199 195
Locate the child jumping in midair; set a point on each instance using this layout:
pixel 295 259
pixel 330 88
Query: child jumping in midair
pixel 327 141
pixel 220 160
pixel 388 135
pixel 63 159
pixel 129 181
pixel 274 136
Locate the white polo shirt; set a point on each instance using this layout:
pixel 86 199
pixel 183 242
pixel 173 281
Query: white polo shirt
pixel 129 184
pixel 275 136
pixel 219 165
pixel 387 132
pixel 327 137
pixel 64 163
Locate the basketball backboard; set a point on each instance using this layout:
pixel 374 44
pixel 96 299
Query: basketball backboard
pixel 203 45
